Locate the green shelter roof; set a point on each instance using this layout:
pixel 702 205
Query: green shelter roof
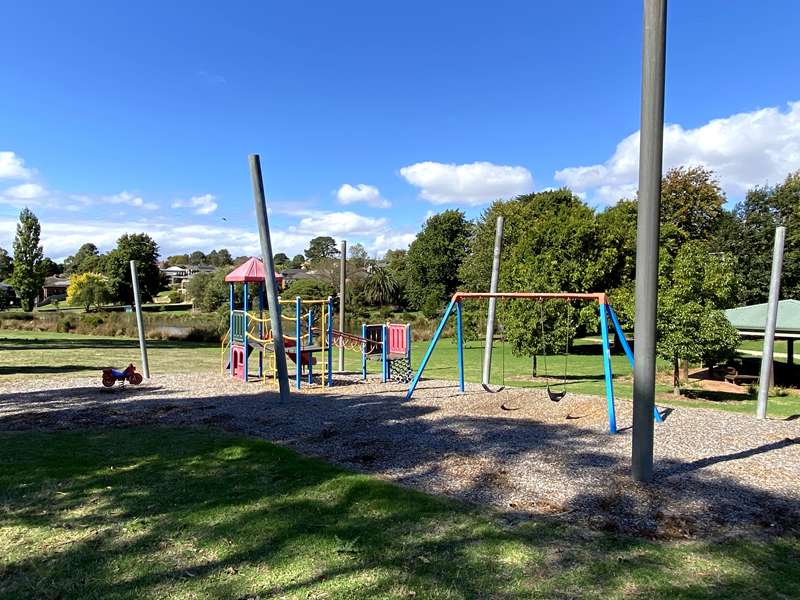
pixel 753 319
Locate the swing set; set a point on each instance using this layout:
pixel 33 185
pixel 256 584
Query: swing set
pixel 605 312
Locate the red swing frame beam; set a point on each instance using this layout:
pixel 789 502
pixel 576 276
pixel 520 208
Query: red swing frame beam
pixel 605 311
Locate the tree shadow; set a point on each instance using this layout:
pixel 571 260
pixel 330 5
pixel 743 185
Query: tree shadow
pixel 219 516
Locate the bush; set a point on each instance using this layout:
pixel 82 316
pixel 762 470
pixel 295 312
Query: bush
pixel 175 297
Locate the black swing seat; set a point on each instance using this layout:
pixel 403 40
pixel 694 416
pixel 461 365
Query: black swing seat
pixel 555 396
pixel 490 390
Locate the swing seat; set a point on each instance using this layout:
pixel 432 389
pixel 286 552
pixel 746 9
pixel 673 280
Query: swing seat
pixel 490 390
pixel 555 396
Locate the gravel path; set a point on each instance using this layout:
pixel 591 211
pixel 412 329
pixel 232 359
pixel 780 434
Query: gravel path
pixel 716 473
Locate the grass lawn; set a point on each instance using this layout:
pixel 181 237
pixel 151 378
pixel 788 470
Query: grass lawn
pixel 166 513
pixel 30 354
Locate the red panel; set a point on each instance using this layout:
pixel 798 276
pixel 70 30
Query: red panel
pixel 397 339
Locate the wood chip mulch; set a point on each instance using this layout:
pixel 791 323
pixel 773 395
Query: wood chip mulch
pixel 716 473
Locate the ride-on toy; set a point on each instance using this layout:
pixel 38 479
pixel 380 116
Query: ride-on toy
pixel 112 376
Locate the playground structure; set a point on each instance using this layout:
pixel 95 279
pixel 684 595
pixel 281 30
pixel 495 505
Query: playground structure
pixel 313 339
pixel 605 312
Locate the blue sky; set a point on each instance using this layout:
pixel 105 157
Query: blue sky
pixel 369 116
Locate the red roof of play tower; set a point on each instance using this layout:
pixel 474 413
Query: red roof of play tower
pixel 250 271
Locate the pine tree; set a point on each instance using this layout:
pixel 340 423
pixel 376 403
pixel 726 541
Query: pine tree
pixel 29 266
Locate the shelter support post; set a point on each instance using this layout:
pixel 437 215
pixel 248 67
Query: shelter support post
pixel 140 321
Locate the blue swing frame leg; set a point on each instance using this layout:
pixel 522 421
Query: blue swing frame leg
pixel 384 357
pixel 230 338
pixel 629 353
pixel 430 349
pixel 460 341
pixel 612 415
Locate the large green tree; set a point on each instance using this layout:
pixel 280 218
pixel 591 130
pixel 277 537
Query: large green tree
pixel 321 247
pixel 691 201
pixel 6 265
pixel 694 287
pixel 29 266
pixel 86 259
pixel 434 259
pixel 749 234
pixel 144 250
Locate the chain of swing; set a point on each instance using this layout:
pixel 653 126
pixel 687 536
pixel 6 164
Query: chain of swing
pixel 553 395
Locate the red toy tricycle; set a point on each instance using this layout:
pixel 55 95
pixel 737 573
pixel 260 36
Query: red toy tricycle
pixel 112 376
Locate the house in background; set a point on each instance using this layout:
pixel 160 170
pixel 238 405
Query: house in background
pixel 8 297
pixel 292 275
pixel 179 274
pixel 54 288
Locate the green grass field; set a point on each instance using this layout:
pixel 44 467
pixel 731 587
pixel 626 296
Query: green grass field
pixel 165 513
pixel 31 354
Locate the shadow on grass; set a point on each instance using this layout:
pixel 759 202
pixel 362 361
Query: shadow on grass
pixel 161 512
pixel 78 343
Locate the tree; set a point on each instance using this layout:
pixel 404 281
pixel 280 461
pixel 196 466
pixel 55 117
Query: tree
pixel 434 259
pixel 209 291
pixel 144 250
pixel 692 201
pixel 51 267
pixel 197 258
pixel 87 290
pixel 281 260
pixel 29 268
pixel 358 256
pixel 690 325
pixel 396 263
pixel 380 287
pixel 6 265
pixel 309 289
pixel 178 259
pixel 86 259
pixel 321 247
pixel 749 234
pixel 298 261
pixel 616 228
pixel 219 258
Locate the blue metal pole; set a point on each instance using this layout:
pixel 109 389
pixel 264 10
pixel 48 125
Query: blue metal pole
pixel 612 416
pixel 330 340
pixel 244 332
pixel 230 340
pixel 460 340
pixel 408 344
pixel 261 329
pixel 429 351
pixel 298 342
pixel 629 353
pixel 364 351
pixel 383 352
pixel 310 324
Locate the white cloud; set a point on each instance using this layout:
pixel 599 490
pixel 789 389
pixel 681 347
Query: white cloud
pixel 744 150
pixel 13 167
pixel 202 205
pixel 26 191
pixel 340 223
pixel 472 184
pixel 368 194
pixel 390 241
pixel 129 199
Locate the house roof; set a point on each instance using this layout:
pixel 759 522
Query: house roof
pixel 752 319
pixel 174 269
pixel 55 281
pixel 252 270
